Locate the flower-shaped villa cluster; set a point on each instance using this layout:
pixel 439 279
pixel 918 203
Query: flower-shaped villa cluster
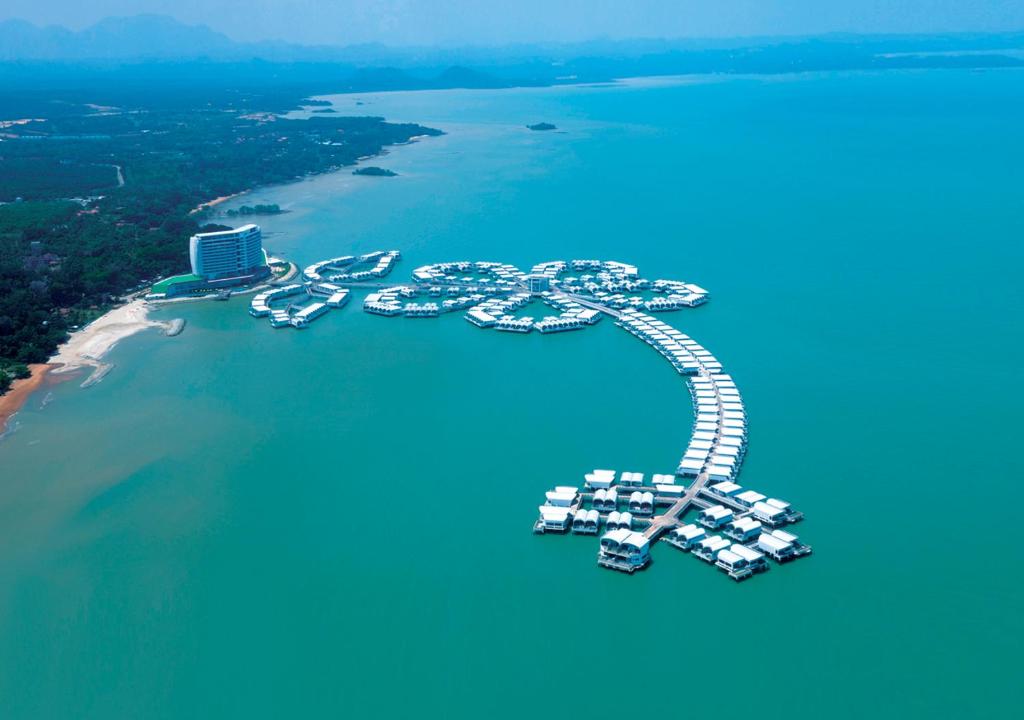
pixel 491 293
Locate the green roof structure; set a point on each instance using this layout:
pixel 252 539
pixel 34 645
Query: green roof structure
pixel 164 285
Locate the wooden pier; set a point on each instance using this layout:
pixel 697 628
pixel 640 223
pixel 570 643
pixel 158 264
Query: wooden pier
pixel 670 519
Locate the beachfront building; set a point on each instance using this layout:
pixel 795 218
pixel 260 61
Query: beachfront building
pixel 223 259
pixel 227 253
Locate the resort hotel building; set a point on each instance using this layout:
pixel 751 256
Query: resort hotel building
pixel 222 259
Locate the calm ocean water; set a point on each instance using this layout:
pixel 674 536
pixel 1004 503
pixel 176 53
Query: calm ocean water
pixel 242 522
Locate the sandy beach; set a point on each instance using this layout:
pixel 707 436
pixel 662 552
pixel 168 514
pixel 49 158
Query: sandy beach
pixel 86 347
pixel 215 202
pixel 15 398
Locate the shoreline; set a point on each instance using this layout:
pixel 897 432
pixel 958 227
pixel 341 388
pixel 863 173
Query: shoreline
pixel 211 204
pixel 15 398
pixel 87 347
pixel 84 348
pixel 217 201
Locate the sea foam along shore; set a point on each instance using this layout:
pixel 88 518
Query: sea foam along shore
pixel 86 347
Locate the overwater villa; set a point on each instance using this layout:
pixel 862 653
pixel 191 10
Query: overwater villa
pixel 641 503
pixel 553 519
pixel 606 500
pixel 768 514
pixel 586 522
pixel 600 479
pixel 715 516
pixel 708 548
pixel 740 562
pixel 743 529
pixel 624 550
pixel 686 537
pixel 308 314
pixel 782 546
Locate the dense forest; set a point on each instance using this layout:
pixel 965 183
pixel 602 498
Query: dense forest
pixel 100 200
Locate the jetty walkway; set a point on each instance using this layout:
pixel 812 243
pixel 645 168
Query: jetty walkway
pixel 668 520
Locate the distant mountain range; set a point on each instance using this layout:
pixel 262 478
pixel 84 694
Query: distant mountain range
pixel 159 37
pixel 141 36
pixel 120 60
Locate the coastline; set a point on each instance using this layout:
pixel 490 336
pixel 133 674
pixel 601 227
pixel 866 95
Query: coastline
pixel 14 399
pixel 211 204
pixel 86 347
pixel 217 201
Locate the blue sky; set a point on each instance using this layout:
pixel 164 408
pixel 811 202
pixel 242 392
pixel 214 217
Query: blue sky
pixel 455 22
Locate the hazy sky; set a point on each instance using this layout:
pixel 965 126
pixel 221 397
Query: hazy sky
pixel 404 22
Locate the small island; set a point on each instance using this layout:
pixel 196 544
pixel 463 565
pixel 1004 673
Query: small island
pixel 540 127
pixel 256 210
pixel 325 110
pixel 374 171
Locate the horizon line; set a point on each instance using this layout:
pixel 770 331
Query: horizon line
pixel 529 43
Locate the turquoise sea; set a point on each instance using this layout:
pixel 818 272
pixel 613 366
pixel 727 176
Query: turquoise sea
pixel 243 522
